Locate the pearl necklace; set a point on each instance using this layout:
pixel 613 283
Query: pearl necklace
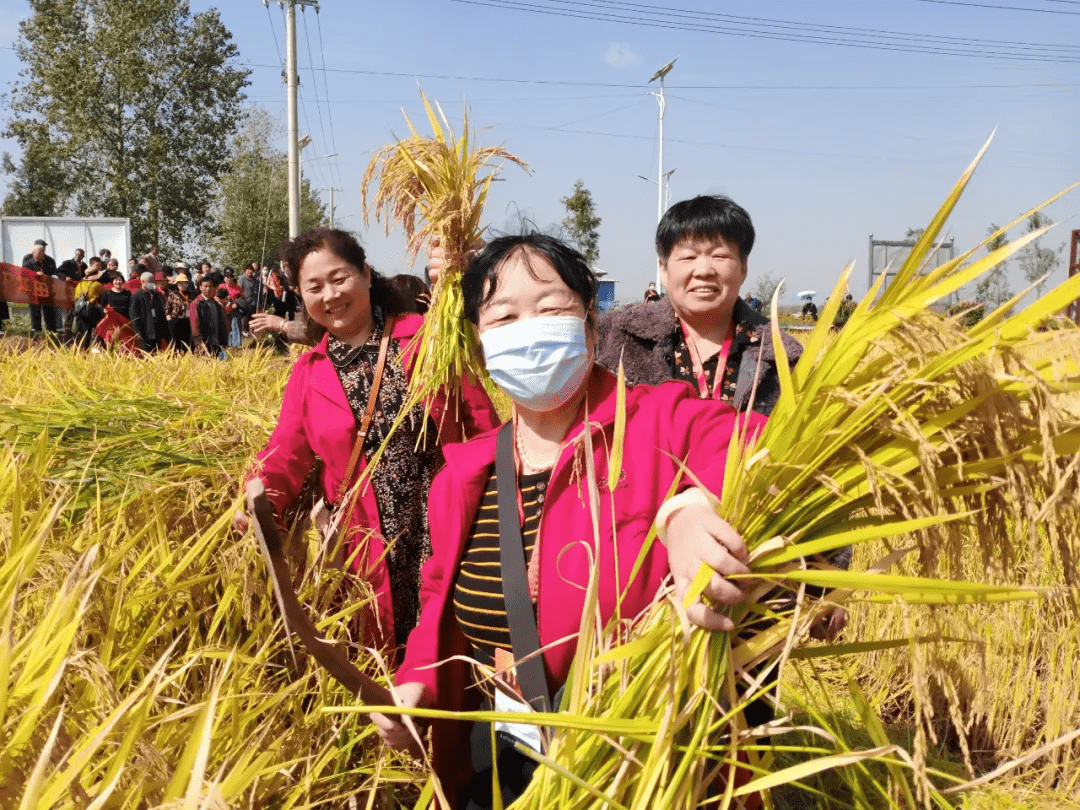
pixel 527 465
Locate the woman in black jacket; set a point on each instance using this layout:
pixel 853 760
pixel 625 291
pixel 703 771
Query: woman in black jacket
pixel 116 297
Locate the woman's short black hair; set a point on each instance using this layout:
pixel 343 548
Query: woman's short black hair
pixel 705 217
pixel 345 246
pixel 484 269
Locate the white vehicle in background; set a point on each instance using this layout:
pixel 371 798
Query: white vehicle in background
pixel 63 235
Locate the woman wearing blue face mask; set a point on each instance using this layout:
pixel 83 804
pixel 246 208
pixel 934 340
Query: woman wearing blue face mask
pixel 511 526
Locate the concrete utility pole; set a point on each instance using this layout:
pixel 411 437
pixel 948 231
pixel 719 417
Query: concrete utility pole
pixel 293 80
pixel 660 177
pixel 331 190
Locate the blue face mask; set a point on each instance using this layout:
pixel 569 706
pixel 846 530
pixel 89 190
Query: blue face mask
pixel 538 362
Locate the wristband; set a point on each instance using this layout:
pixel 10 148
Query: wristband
pixel 672 505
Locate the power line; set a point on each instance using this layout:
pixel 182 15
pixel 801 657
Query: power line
pixel 307 121
pixel 314 81
pixel 639 86
pixel 805 32
pixel 318 169
pixel 635 103
pixel 1002 8
pixel 703 27
pixel 326 87
pixel 273 32
pixel 799 26
pixel 464 78
pixel 254 97
pixel 743 147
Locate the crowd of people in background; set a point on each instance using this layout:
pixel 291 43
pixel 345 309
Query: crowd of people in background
pixel 809 310
pixel 197 308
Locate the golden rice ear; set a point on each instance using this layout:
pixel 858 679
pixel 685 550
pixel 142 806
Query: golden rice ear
pixel 435 188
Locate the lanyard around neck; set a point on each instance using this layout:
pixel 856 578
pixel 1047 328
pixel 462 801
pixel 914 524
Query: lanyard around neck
pixel 704 390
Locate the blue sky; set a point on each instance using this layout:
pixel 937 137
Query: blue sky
pixel 823 143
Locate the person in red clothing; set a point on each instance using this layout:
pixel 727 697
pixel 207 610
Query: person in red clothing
pixel 326 400
pixel 134 282
pixel 531 300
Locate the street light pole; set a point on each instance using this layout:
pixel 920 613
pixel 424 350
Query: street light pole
pixel 660 171
pixel 666 186
pixel 332 190
pixel 660 176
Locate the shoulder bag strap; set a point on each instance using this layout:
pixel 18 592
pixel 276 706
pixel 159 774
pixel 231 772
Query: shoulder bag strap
pixel 369 411
pixel 524 636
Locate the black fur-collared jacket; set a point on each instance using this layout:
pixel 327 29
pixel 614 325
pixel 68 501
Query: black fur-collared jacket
pixel 643 337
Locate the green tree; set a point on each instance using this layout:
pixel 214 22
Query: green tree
pixel 993 290
pixel 253 204
pixel 1035 260
pixel 120 110
pixel 581 222
pixel 39 187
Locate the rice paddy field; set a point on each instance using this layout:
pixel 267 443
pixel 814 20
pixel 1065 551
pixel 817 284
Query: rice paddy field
pixel 142 663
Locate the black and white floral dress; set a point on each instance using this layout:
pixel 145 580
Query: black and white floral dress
pixel 402 478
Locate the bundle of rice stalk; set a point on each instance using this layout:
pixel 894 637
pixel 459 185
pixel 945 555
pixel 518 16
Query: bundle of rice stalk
pixel 942 688
pixel 902 425
pixel 434 188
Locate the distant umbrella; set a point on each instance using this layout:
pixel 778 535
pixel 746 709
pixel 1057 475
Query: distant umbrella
pixel 805 294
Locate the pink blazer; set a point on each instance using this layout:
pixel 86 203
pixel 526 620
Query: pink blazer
pixel 661 420
pixel 316 421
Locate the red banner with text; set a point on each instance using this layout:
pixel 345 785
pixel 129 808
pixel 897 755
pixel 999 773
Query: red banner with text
pixel 21 286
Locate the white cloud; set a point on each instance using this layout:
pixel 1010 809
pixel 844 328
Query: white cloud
pixel 621 55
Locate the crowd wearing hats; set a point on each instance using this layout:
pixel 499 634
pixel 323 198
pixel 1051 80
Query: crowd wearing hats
pixel 157 306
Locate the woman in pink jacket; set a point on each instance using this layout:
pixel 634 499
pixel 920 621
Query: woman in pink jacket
pixel 530 298
pixel 327 399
